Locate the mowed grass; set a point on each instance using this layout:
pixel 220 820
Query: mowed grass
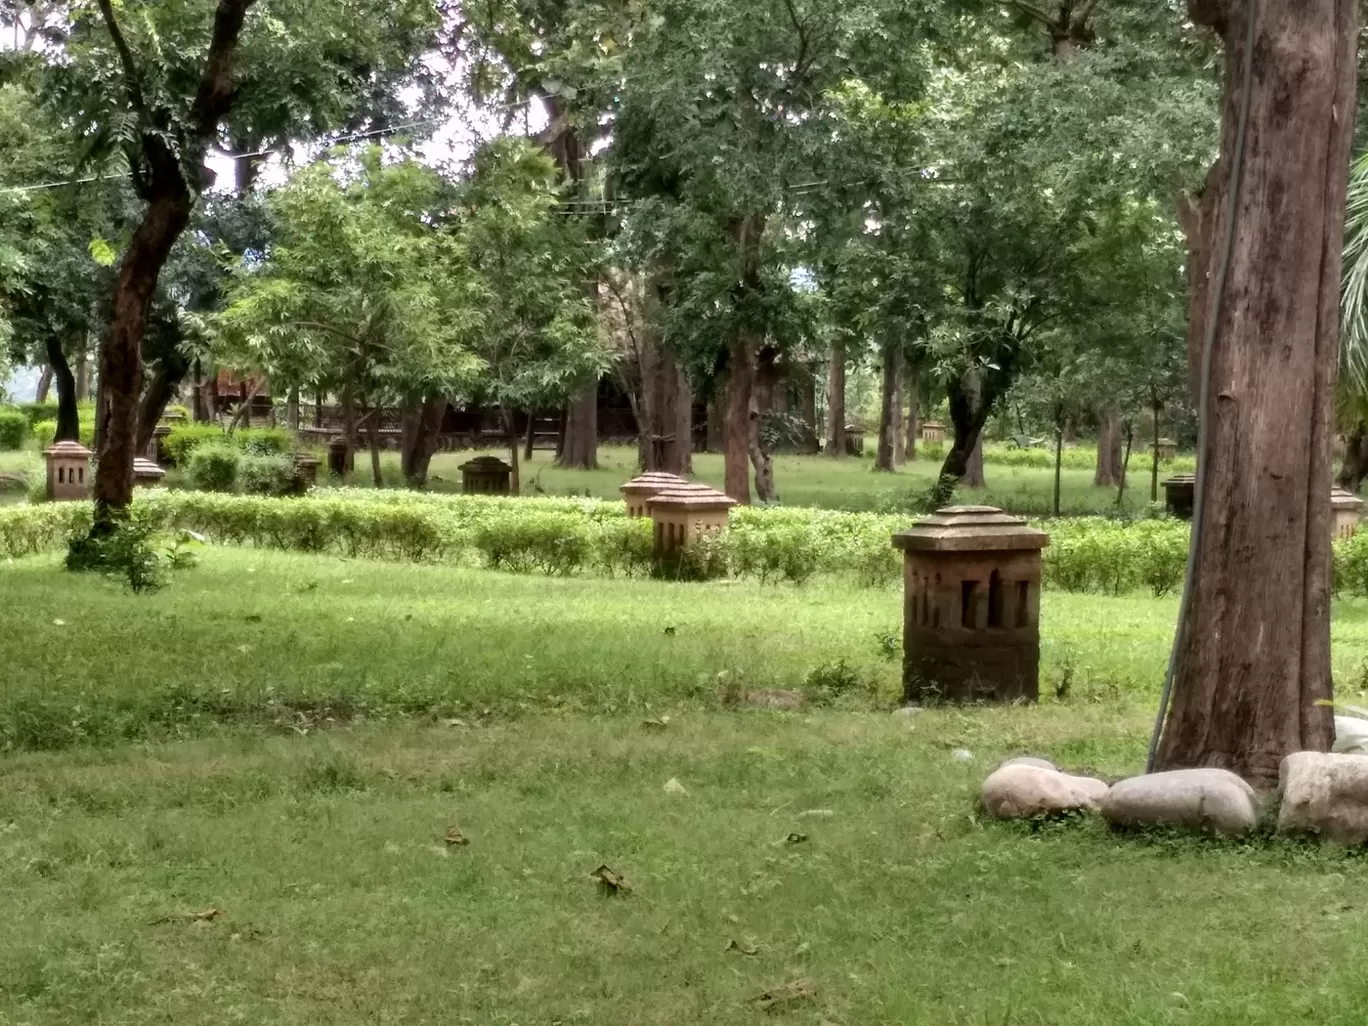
pixel 821 481
pixel 294 642
pixel 339 717
pixel 840 849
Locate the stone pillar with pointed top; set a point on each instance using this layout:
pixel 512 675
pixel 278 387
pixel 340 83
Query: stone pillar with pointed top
pixel 683 514
pixel 971 607
pixel 932 432
pixel 146 474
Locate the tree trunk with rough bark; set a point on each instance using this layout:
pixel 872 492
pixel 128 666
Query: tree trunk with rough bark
pixel 667 413
pixel 292 410
pixel 1108 472
pixel 121 367
pixel 422 433
pixel 580 449
pixel 68 413
pixel 884 457
pixel 44 384
pixel 511 440
pixel 836 407
pixel 1254 656
pixel 760 457
pixel 736 420
pixel 973 469
pixel 898 428
pixel 373 434
pixel 1354 468
pixel 913 378
pixel 158 394
pixel 163 187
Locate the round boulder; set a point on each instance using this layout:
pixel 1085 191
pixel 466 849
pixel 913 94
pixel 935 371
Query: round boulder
pixel 1024 790
pixel 1198 799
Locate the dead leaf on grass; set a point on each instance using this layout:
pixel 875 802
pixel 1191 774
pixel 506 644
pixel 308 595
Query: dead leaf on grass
pixel 454 838
pixel 656 723
pixel 790 993
pixel 610 882
pixel 747 948
pixel 794 838
pixel 207 916
pixel 673 786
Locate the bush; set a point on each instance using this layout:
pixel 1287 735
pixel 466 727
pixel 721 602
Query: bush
pixel 130 552
pixel 264 441
pixel 184 439
pixel 214 468
pixel 14 429
pixel 267 475
pixel 527 540
pixel 45 432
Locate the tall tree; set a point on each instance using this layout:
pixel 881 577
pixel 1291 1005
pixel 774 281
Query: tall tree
pixel 1253 656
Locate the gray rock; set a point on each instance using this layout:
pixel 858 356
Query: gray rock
pixel 1326 796
pixel 1030 760
pixel 1199 799
pixel 1021 790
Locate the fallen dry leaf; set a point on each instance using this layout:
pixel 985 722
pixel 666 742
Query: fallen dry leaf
pixel 207 916
pixel 610 882
pixel 454 838
pixel 748 948
pixel 795 838
pixel 798 990
pixel 673 786
pixel 659 723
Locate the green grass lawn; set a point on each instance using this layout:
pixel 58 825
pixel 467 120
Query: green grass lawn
pixel 849 484
pixel 288 739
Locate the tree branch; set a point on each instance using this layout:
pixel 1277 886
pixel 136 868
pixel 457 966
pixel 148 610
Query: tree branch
pixel 1035 12
pixel 130 67
pixel 216 87
pixel 799 64
pixel 1080 19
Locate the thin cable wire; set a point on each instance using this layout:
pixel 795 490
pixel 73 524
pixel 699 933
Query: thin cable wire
pixel 1204 388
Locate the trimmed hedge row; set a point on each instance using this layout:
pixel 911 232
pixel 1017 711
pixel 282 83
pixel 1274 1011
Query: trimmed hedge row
pixel 567 536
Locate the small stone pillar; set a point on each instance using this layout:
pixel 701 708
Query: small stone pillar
pixel 146 474
pixel 684 513
pixel 1168 448
pixel 1348 511
pixel 486 475
pixel 306 470
pixel 639 489
pixel 337 457
pixel 932 432
pixel 156 449
pixel 855 440
pixel 1180 495
pixel 68 472
pixel 971 607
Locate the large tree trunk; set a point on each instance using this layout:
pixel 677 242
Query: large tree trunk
pixel 736 419
pixel 973 469
pixel 44 384
pixel 421 436
pixel 121 367
pixel 806 385
pixel 760 458
pixel 511 440
pixel 913 390
pixel 899 435
pixel 889 427
pixel 836 407
pixel 168 377
pixel 68 414
pixel 1254 653
pixel 1108 472
pixel 1355 466
pixel 580 448
pixel 667 428
pixel 292 410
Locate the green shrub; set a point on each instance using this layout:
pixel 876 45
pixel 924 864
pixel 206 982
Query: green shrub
pixel 184 439
pixel 625 545
pixel 45 432
pixel 214 468
pixel 131 552
pixel 267 475
pixel 264 441
pixel 528 540
pixel 14 429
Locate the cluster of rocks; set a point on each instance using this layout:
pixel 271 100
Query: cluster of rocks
pixel 1322 795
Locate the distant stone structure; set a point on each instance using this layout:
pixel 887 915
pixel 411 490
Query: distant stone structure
pixel 638 490
pixel 68 472
pixel 486 475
